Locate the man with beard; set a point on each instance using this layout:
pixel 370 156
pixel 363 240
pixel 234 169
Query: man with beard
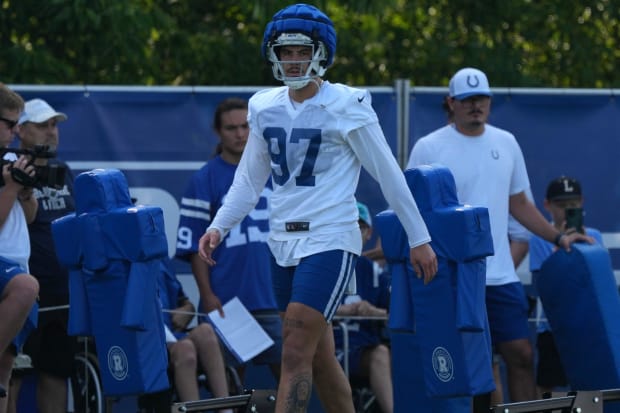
pixel 489 171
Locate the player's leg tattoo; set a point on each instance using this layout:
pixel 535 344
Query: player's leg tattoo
pixel 299 397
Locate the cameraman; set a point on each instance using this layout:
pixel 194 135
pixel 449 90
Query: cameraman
pixel 18 289
pixel 50 347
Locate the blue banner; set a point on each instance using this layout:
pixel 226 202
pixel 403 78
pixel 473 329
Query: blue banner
pixel 158 136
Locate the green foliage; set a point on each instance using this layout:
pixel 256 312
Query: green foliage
pixel 520 43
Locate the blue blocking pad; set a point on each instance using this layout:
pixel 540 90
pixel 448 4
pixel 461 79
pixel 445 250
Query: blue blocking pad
pixel 68 246
pixel 580 297
pixel 143 223
pixel 79 307
pixel 409 370
pixel 113 250
pixel 393 237
pixel 446 318
pixel 131 360
pixel 401 300
pixel 101 190
pixel 459 232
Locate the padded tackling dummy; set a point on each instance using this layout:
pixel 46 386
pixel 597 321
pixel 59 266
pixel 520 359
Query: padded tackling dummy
pixel 580 297
pixel 113 250
pixel 439 331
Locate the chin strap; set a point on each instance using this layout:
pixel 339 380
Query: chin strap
pixel 299 84
pixel 317 81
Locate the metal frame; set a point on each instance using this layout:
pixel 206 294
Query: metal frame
pixel 573 402
pixel 256 401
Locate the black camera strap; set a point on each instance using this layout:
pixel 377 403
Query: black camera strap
pixel 23 178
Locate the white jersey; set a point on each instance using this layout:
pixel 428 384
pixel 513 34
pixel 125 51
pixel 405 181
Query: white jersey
pixel 313 151
pixel 487 169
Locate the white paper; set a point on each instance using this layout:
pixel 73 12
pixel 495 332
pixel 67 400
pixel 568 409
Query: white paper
pixel 239 331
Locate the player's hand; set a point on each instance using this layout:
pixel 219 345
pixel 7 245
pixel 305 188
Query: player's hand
pixel 180 321
pixel 212 302
pixel 366 309
pixel 208 242
pixel 424 262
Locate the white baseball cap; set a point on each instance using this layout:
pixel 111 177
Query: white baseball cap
pixel 37 111
pixel 469 82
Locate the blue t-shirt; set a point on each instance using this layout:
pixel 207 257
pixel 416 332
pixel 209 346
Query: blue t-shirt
pixel 374 288
pixel 53 203
pixel 243 258
pixel 540 250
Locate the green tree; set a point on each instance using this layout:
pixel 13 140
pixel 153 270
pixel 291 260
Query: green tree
pixel 521 43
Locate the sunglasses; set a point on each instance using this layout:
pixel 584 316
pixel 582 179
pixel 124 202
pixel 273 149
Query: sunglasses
pixel 9 122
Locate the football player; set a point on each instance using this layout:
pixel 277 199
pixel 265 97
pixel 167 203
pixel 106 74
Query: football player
pixel 312 137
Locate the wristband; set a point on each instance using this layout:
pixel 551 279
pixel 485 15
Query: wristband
pixel 557 239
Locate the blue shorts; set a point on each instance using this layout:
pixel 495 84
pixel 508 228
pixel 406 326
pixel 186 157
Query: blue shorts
pixel 507 309
pixel 270 321
pixel 8 270
pixel 318 281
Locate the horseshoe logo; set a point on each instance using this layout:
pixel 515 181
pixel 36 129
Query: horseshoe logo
pixel 472 84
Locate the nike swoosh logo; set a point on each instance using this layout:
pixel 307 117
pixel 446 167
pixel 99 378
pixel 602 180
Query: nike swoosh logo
pixel 360 99
pixel 8 270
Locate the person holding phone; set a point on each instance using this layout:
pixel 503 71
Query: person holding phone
pixel 574 219
pixel 564 202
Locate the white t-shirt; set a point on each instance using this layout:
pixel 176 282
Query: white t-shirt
pixel 516 230
pixel 14 238
pixel 314 152
pixel 487 169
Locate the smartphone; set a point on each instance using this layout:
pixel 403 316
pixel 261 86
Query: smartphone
pixel 574 219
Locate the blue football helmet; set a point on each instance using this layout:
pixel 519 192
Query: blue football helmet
pixel 300 25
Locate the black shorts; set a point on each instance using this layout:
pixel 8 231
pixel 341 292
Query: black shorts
pixel 549 372
pixel 50 347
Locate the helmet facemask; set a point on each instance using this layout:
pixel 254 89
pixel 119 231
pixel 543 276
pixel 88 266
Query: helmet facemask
pixel 316 66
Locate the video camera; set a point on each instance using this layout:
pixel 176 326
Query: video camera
pixel 44 175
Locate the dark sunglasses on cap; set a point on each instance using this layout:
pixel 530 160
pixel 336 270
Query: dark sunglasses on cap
pixel 9 122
